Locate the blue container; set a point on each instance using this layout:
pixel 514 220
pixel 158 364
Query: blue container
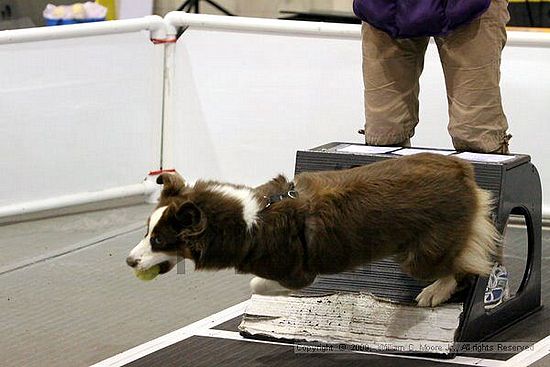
pixel 52 22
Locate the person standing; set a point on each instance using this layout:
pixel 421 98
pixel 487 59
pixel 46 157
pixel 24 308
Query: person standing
pixel 469 35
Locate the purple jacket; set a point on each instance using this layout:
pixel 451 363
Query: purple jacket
pixel 415 18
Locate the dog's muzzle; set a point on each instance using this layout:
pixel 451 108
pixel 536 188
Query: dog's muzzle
pixel 141 258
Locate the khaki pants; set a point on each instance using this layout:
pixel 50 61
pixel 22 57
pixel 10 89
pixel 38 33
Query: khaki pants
pixel 470 56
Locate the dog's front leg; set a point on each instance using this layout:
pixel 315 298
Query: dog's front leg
pixel 298 281
pixel 282 287
pixel 268 287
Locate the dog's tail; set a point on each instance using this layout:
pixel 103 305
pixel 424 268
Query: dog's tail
pixel 484 244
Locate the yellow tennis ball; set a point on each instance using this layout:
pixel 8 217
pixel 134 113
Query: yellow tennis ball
pixel 148 274
pixel 79 11
pixel 58 12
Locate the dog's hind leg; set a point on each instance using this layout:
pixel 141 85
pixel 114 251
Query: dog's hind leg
pixel 267 287
pixel 437 292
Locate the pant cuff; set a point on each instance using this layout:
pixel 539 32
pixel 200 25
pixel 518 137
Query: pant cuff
pixel 497 145
pixel 402 140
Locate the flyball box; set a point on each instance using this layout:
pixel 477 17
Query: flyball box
pixel 374 304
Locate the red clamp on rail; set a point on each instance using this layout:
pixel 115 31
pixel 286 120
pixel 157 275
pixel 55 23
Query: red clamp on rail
pixel 161 41
pixel 160 171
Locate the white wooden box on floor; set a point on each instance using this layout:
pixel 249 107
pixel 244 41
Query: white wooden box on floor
pixel 356 319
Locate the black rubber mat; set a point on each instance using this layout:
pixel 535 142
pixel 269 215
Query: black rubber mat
pixel 231 325
pixel 208 352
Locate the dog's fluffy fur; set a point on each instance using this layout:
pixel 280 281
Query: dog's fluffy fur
pixel 425 210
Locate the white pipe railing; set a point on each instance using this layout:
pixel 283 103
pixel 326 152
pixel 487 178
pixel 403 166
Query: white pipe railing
pixel 179 19
pixel 145 189
pixel 336 30
pixel 538 39
pixel 153 23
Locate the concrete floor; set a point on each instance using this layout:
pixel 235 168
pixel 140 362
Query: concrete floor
pixel 67 297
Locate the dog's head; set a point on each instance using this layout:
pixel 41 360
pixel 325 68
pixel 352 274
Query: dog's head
pixel 175 224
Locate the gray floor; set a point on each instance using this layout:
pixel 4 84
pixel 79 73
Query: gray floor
pixel 68 299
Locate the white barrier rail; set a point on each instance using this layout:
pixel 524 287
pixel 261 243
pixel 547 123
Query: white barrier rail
pixel 159 28
pixel 337 30
pixel 145 189
pixel 153 23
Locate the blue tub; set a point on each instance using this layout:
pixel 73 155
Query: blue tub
pixel 51 22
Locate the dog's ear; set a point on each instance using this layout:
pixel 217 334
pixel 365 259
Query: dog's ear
pixel 191 218
pixel 173 184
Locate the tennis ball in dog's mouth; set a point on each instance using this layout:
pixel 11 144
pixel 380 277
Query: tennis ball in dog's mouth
pixel 148 274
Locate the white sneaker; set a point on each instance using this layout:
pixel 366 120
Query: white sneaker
pixel 497 290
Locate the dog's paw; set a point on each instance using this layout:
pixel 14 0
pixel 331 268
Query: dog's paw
pixel 437 292
pixel 430 298
pixel 267 287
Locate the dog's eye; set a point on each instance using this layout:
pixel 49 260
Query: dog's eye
pixel 156 241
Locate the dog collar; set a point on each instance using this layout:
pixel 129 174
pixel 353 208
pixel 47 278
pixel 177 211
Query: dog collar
pixel 291 194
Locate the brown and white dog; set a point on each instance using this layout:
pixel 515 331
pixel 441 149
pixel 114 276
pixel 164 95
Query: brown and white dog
pixel 425 210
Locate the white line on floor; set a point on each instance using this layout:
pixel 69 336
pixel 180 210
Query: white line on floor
pixel 540 350
pixel 175 336
pixel 459 360
pixel 82 245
